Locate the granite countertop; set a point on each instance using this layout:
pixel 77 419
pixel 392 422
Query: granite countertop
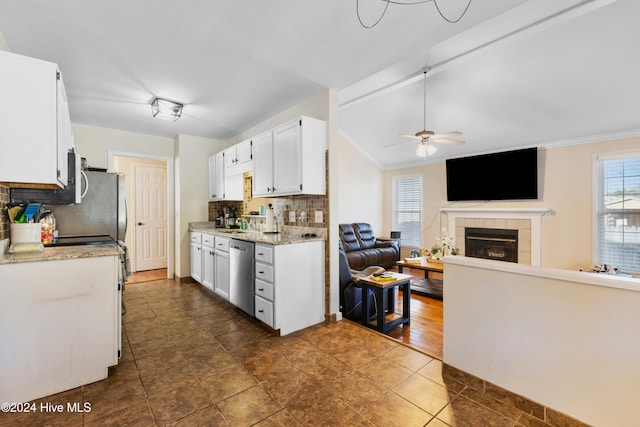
pixel 62 253
pixel 287 236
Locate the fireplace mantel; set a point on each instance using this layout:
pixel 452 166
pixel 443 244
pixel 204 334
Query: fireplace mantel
pixel 534 215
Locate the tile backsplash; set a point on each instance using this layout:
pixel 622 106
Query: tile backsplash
pixel 4 220
pixel 303 206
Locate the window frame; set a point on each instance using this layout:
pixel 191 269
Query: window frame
pixel 598 202
pixel 394 210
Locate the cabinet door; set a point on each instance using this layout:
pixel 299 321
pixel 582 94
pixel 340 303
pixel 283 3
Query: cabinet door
pixel 263 165
pixel 222 280
pixel 196 262
pixel 208 267
pixel 287 176
pixel 216 176
pixel 28 120
pixel 230 157
pixel 243 152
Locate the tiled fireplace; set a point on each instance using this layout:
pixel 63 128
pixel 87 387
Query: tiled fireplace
pixel 493 224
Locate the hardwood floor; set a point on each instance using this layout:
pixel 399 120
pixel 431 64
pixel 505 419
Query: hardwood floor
pixel 425 331
pixel 147 276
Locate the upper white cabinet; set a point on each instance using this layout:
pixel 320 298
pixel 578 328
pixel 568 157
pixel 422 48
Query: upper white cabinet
pixel 238 157
pixel 216 176
pixel 34 121
pixel 290 159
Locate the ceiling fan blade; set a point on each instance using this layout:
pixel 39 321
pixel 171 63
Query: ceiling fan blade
pixel 448 134
pixel 411 136
pixel 399 143
pixel 448 141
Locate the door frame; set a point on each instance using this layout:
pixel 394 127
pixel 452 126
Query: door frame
pixel 170 199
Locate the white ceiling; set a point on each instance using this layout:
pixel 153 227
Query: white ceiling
pixel 560 70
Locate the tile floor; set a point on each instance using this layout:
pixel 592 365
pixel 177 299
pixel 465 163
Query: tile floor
pixel 191 359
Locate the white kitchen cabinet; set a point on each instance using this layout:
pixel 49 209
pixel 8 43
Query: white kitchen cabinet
pixel 34 122
pixel 263 165
pixel 222 277
pixel 216 176
pixel 290 159
pixel 289 296
pixel 208 261
pixel 195 256
pixel 237 158
pixel 60 325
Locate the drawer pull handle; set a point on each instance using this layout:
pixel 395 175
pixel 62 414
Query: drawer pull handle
pixel 260 253
pixel 261 289
pixel 260 311
pixel 260 272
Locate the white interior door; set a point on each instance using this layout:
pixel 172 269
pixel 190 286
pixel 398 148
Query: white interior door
pixel 151 217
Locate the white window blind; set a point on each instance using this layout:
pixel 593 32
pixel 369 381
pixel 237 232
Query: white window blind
pixel 618 212
pixel 407 210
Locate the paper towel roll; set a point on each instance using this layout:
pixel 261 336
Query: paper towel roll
pixel 269 221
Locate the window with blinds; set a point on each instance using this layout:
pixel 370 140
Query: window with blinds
pixel 407 209
pixel 618 212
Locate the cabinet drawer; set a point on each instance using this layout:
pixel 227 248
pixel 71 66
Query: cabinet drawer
pixel 264 311
pixel 264 254
pixel 264 272
pixel 196 237
pixel 264 289
pixel 222 244
pixel 207 240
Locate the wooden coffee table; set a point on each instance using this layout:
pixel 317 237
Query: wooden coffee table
pixel 431 287
pixel 386 318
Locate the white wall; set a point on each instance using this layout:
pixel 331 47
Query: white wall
pixel 360 194
pixel 94 143
pixel 3 43
pixel 565 339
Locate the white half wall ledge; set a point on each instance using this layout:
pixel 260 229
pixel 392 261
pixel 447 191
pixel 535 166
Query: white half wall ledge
pixel 534 215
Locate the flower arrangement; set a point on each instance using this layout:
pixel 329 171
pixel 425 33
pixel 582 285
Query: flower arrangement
pixel 444 246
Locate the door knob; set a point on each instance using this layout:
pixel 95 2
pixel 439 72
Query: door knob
pixel 140 223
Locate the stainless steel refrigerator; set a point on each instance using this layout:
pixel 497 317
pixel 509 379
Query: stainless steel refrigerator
pixel 103 210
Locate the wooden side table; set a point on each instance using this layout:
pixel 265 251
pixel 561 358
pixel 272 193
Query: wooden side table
pixel 386 318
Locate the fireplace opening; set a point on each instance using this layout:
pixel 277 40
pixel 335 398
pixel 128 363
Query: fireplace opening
pixel 491 243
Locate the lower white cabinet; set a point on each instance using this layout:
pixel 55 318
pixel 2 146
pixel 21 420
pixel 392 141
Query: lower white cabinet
pixel 60 325
pixel 208 261
pixel 289 285
pixel 222 278
pixel 195 256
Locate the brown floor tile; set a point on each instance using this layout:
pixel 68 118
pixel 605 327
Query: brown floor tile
pixel 160 361
pixel 193 338
pixel 110 397
pixel 409 358
pixel 178 403
pixel 291 386
pixel 355 357
pixel 279 419
pixel 505 396
pixel 152 347
pixel 508 411
pixel 267 365
pixel 356 389
pixel 385 372
pixel 136 415
pixel 227 383
pixel 321 407
pixel 249 406
pixel 209 416
pixel 163 381
pixel 326 368
pixel 464 412
pixel 392 410
pixel 208 360
pixel 424 393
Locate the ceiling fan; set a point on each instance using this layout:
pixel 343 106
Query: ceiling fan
pixel 427 137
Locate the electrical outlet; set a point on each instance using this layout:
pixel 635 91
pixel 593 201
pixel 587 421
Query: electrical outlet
pixel 292 216
pixel 318 216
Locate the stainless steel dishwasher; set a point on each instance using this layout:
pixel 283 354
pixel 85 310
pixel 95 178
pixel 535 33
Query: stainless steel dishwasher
pixel 241 265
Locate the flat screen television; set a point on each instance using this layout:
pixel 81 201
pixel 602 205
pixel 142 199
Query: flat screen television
pixel 509 175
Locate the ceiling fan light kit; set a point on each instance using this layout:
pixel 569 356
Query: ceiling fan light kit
pixel 428 137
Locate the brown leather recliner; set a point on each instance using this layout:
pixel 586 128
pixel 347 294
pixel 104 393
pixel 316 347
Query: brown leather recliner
pixel 363 249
